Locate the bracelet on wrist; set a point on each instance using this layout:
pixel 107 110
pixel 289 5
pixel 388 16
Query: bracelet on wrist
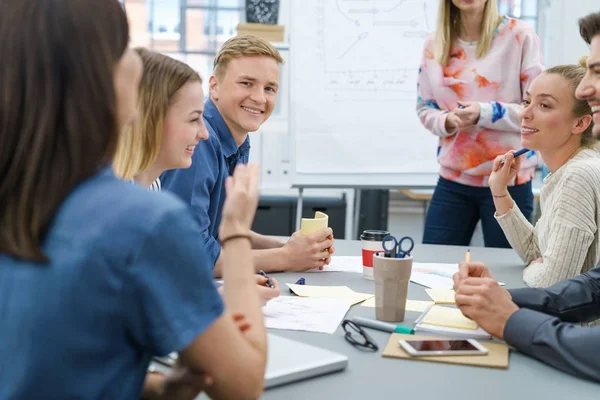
pixel 235 236
pixel 499 197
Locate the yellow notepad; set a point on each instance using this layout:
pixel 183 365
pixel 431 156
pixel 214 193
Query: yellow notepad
pixel 448 317
pixel 312 225
pixel 329 292
pixel 441 296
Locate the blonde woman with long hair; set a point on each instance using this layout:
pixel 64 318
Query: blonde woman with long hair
pixel 170 123
pixel 473 73
pixel 565 241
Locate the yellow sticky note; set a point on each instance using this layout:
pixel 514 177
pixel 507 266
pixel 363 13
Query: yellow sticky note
pixel 441 296
pixel 312 225
pixel 448 317
pixel 330 292
pixel 417 305
pixel 411 305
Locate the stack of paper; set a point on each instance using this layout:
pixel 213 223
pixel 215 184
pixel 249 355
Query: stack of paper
pixel 411 305
pixel 305 314
pixel 448 317
pixel 434 275
pixel 343 264
pixel 330 292
pixel 450 322
pixel 442 296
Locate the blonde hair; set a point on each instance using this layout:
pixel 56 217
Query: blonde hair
pixel 574 74
pixel 448 26
pixel 139 145
pixel 243 46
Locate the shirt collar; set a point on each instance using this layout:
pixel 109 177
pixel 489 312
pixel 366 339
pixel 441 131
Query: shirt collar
pixel 216 121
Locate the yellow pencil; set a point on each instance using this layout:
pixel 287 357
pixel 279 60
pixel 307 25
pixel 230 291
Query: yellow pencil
pixel 468 255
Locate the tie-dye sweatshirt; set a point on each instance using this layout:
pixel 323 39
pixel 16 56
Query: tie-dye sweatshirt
pixel 497 81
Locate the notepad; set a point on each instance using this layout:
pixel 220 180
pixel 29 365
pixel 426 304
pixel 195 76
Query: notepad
pixel 411 305
pixel 309 226
pixel 329 292
pixel 441 296
pixel 448 317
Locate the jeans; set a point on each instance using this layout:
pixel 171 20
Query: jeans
pixel 455 210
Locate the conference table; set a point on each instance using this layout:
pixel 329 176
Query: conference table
pixel 370 376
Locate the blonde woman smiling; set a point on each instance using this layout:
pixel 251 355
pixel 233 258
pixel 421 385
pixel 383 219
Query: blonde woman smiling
pixel 564 242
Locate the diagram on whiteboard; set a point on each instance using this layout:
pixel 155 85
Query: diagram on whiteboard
pixel 359 62
pixel 353 94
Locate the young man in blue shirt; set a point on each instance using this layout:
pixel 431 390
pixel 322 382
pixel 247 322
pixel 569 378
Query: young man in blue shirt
pixel 243 93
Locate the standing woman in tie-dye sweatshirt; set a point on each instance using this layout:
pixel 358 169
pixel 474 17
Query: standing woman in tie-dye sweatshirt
pixel 474 71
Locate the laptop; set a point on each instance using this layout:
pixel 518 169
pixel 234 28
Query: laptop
pixel 288 361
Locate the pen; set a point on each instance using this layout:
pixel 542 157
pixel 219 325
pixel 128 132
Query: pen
pixel 517 154
pixel 300 281
pixel 269 283
pixel 382 326
pixel 468 255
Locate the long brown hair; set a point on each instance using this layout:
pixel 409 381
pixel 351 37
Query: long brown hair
pixel 140 144
pixel 58 120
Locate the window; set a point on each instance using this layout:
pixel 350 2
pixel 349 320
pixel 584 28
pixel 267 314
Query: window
pixel 189 30
pixel 526 10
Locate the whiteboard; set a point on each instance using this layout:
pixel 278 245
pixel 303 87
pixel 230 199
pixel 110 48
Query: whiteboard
pixel 353 93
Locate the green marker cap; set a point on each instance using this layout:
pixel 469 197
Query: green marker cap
pixel 406 330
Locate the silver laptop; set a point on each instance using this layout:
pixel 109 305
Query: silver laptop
pixel 290 361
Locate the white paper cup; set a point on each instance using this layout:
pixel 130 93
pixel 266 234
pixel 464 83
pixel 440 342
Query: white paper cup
pixel 371 244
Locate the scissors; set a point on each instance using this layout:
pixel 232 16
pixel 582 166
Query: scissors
pixel 395 248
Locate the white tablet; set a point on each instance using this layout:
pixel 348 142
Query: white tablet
pixel 461 347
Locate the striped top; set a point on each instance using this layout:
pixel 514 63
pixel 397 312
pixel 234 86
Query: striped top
pixel 566 235
pixel 155 186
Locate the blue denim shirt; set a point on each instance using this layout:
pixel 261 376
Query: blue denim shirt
pixel 126 281
pixel 203 184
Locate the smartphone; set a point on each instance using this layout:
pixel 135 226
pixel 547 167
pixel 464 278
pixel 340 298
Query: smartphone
pixel 461 347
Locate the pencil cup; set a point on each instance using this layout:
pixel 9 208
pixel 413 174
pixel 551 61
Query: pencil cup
pixel 371 244
pixel 391 286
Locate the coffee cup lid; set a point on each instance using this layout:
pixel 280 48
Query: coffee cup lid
pixel 374 235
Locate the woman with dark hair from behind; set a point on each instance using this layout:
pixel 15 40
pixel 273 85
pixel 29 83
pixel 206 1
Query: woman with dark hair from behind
pixel 97 276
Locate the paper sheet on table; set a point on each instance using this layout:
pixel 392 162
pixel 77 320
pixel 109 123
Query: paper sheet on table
pixel 329 292
pixel 448 317
pixel 411 305
pixel 309 226
pixel 441 296
pixel 305 313
pixel 434 275
pixel 343 264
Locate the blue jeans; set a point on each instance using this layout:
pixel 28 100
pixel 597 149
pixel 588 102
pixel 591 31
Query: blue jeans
pixel 455 210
